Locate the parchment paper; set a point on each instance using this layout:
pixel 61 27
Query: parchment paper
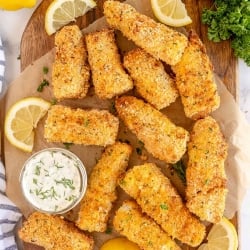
pixel 232 122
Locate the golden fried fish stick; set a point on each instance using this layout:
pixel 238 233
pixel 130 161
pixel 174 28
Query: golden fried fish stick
pixel 54 233
pixel 160 136
pixel 70 72
pixel 141 229
pixel 195 81
pixel 150 78
pixel 79 126
pixel 157 39
pixel 101 192
pixel 109 76
pixel 159 199
pixel 206 179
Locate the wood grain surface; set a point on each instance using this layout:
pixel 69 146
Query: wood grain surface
pixel 35 43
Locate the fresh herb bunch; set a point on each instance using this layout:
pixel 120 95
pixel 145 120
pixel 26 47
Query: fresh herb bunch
pixel 230 19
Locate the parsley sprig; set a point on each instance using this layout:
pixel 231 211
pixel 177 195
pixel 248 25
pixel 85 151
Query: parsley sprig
pixel 230 19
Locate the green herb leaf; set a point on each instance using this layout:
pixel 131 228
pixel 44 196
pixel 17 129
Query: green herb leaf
pixel 108 230
pixel 230 20
pixel 35 181
pixel 139 151
pixel 67 144
pixel 42 85
pixel 37 170
pixel 71 198
pixel 45 70
pixel 86 122
pixel 180 170
pixel 53 101
pixel 66 183
pixel 164 206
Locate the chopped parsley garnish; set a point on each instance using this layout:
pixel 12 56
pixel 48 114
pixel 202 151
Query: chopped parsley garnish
pixel 45 70
pixel 53 101
pixel 67 144
pixel 108 230
pixel 86 122
pixel 42 85
pixel 164 206
pixel 180 170
pixel 139 151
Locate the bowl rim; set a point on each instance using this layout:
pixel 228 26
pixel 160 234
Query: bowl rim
pixel 82 173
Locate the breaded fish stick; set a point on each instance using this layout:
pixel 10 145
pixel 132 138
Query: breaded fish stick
pixel 141 229
pixel 157 39
pixel 159 199
pixel 101 192
pixel 206 179
pixel 195 81
pixel 70 72
pixel 150 78
pixel 108 74
pixel 54 233
pixel 79 126
pixel 160 136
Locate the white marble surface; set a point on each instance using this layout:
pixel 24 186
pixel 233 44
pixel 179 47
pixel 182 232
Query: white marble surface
pixel 11 28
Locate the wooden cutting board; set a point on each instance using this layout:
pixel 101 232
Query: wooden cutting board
pixel 35 43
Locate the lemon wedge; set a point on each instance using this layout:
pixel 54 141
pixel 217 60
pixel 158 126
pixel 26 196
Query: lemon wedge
pixel 21 119
pixel 171 12
pixel 119 244
pixel 62 12
pixel 222 236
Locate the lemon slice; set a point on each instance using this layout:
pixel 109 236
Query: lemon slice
pixel 222 236
pixel 62 12
pixel 119 244
pixel 171 12
pixel 21 120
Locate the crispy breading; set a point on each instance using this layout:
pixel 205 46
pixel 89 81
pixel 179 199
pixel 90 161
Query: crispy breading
pixel 108 74
pixel 195 81
pixel 79 126
pixel 101 191
pixel 163 139
pixel 150 78
pixel 206 179
pixel 159 199
pixel 54 233
pixel 157 39
pixel 141 229
pixel 70 71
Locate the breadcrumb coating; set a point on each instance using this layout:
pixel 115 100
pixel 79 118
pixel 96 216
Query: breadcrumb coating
pixel 70 70
pixel 163 139
pixel 206 179
pixel 150 78
pixel 195 81
pixel 157 39
pixel 101 192
pixel 108 74
pixel 54 233
pixel 159 199
pixel 79 126
pixel 141 229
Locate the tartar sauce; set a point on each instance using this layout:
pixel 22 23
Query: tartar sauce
pixel 53 180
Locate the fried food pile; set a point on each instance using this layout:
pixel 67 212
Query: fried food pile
pixel 156 214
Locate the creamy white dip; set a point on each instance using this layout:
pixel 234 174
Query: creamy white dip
pixel 52 180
